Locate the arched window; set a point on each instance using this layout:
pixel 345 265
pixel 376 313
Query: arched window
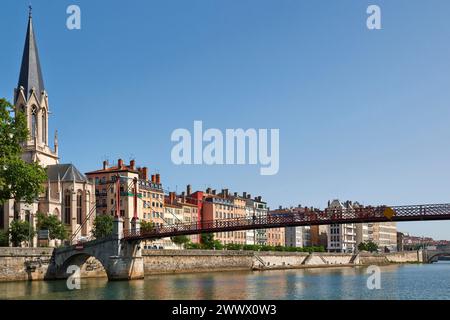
pixel 44 126
pixel 67 208
pixel 79 207
pixel 33 122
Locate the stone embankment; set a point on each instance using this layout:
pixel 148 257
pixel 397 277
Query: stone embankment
pixel 176 261
pixel 20 264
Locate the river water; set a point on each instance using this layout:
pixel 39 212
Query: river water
pixel 413 281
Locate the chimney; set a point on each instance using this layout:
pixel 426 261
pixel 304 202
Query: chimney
pixel 226 193
pixel 249 196
pixel 208 190
pixel 280 207
pixel 244 195
pixel 235 194
pixel 120 163
pixel 183 196
pixel 132 164
pixel 214 192
pixel 172 197
pixel 145 173
pixel 153 178
pixel 188 190
pixel 158 178
pixel 105 164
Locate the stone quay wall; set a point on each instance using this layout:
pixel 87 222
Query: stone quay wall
pixel 22 264
pixel 18 264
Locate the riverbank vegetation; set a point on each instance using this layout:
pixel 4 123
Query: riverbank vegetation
pixel 209 243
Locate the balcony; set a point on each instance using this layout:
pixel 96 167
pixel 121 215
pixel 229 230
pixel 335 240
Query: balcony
pixel 129 194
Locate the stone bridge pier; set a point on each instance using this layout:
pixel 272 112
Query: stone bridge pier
pixel 122 260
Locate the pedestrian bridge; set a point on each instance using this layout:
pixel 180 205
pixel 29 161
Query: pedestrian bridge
pixel 121 253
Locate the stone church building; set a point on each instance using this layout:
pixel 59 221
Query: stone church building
pixel 68 193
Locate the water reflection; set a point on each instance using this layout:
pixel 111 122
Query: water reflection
pixel 397 282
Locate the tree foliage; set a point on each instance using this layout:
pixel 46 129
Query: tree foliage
pixel 146 226
pixel 19 180
pixel 53 225
pixel 103 226
pixel 180 240
pixel 207 239
pixel 368 246
pixel 20 231
pixel 4 239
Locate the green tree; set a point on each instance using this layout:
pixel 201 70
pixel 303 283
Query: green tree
pixel 146 226
pixel 103 226
pixel 4 239
pixel 368 246
pixel 180 240
pixel 207 240
pixel 19 180
pixel 52 224
pixel 371 246
pixel 20 231
pixel 362 246
pixel 193 246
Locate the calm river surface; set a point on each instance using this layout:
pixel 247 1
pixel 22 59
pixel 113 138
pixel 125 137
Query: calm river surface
pixel 430 281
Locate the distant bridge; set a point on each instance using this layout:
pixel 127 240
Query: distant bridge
pixel 121 253
pixel 434 255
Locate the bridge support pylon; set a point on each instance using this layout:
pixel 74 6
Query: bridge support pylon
pixel 128 264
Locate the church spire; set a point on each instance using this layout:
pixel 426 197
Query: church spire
pixel 30 70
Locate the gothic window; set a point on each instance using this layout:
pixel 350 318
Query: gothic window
pixel 44 126
pixel 67 208
pixel 79 207
pixel 33 121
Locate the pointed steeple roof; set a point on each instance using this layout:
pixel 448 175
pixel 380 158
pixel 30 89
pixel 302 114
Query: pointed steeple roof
pixel 30 70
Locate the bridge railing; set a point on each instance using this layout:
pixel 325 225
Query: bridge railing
pixel 265 221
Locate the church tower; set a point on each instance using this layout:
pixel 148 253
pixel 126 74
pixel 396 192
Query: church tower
pixel 31 98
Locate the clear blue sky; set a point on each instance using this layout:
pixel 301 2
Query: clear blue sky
pixel 363 115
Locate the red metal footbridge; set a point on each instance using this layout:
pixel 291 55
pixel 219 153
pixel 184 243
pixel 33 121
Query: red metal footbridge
pixel 306 217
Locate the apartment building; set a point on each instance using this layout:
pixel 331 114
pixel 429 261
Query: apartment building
pixel 276 237
pixel 152 198
pixel 255 209
pixel 189 213
pixel 383 234
pixel 319 236
pixel 223 206
pixel 105 190
pixel 341 237
pixel 294 236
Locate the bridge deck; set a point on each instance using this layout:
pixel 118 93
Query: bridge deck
pixel 307 218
